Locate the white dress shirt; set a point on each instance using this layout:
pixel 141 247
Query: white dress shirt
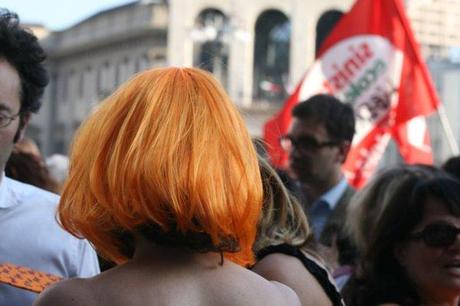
pixel 31 237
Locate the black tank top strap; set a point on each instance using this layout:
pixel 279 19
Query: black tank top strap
pixel 314 268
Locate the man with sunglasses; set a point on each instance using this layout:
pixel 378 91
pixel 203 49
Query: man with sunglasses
pixel 318 142
pixel 30 236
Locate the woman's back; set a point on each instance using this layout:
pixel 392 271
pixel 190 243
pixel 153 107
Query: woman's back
pixel 194 279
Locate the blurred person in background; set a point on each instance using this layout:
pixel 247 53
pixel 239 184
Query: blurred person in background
pixel 452 166
pixel 24 167
pixel 411 254
pixel 30 235
pixel 26 164
pixel 164 181
pixel 318 142
pixel 27 145
pixel 284 246
pixel 367 205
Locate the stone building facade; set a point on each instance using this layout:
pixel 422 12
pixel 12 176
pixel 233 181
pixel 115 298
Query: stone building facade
pixel 90 59
pixel 436 24
pixel 258 49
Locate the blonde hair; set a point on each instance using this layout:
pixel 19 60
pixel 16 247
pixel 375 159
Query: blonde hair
pixel 283 219
pixel 168 150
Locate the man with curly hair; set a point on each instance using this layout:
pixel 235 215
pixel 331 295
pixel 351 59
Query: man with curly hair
pixel 30 236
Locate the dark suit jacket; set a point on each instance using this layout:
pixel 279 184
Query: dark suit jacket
pixel 336 220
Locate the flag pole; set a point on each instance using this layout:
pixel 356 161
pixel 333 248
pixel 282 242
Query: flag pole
pixel 453 145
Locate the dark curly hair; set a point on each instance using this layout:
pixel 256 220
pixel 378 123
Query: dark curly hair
pixel 20 48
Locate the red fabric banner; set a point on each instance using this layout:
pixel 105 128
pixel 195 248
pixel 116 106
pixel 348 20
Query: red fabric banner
pixel 372 61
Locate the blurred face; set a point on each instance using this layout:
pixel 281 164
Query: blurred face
pixel 10 105
pixel 434 269
pixel 313 155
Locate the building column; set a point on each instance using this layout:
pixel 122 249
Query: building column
pixel 241 62
pixel 180 43
pixel 302 48
pixel 50 112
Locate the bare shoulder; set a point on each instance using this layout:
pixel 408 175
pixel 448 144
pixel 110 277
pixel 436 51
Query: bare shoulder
pixel 275 265
pixel 286 295
pixel 72 292
pixel 290 271
pixel 282 268
pixel 268 293
pixel 240 286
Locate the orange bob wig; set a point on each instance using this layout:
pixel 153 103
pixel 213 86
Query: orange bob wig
pixel 169 151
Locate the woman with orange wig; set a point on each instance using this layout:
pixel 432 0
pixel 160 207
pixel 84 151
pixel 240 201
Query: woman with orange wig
pixel 164 181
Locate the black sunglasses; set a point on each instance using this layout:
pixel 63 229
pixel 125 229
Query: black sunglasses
pixel 304 143
pixel 438 235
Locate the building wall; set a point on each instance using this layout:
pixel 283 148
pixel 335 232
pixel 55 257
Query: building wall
pixel 447 79
pixel 243 15
pixel 436 24
pixel 90 60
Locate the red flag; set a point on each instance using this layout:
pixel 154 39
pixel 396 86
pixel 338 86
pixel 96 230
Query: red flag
pixel 370 60
pixel 414 141
pixel 273 129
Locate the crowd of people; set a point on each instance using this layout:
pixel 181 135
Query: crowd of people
pixel 168 197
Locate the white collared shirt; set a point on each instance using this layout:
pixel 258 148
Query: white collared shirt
pixel 31 237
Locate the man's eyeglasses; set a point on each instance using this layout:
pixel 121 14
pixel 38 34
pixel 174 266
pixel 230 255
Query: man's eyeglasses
pixel 6 120
pixel 304 143
pixel 438 235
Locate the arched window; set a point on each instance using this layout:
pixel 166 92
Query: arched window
pixel 325 24
pixel 89 83
pixel 142 62
pixel 210 49
pixel 125 70
pixel 271 56
pixel 72 89
pixel 106 80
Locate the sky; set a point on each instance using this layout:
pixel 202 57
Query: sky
pixel 58 14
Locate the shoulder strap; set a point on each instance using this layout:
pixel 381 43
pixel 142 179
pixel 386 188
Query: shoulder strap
pixel 279 248
pixel 26 278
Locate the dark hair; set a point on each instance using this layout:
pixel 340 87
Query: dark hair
pixel 27 168
pixel 337 117
pixel 380 277
pixel 21 49
pixel 452 166
pixel 445 189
